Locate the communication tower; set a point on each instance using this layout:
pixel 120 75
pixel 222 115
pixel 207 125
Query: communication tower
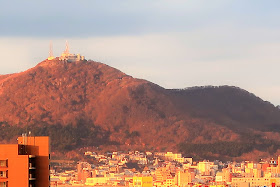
pixel 51 57
pixel 66 48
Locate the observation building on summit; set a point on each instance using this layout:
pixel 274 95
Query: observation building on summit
pixel 66 56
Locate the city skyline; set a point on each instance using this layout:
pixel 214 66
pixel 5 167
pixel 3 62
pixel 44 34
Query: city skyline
pixel 174 44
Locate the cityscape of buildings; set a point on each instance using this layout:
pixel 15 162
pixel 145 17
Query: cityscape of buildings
pixel 165 169
pixel 27 164
pixel 197 77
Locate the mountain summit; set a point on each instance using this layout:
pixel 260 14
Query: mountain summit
pixel 132 112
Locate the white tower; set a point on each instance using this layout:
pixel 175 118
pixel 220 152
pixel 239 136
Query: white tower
pixel 51 57
pixel 66 48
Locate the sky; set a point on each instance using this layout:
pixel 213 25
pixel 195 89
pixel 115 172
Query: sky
pixel 173 43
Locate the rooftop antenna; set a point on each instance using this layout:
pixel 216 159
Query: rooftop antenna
pixel 51 52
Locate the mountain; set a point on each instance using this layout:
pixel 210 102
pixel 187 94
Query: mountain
pixel 88 103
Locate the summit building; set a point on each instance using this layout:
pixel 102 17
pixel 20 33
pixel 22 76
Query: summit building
pixel 66 56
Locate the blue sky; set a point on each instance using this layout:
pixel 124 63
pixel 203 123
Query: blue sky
pixel 176 44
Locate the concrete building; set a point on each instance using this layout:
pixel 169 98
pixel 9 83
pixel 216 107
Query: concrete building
pixel 254 182
pixel 83 171
pixel 204 167
pixel 223 177
pixel 68 57
pixel 177 157
pixel 145 181
pixel 183 178
pixel 25 164
pixel 161 174
pixel 96 181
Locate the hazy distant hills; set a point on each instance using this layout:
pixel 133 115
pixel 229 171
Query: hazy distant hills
pixel 91 103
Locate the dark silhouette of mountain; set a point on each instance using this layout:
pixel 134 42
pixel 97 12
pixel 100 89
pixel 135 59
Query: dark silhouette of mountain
pixel 88 103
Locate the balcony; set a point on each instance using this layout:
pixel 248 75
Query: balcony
pixel 3 165
pixel 32 166
pixel 32 183
pixel 3 184
pixel 3 180
pixel 32 177
pixel 3 168
pixel 32 162
pixel 3 174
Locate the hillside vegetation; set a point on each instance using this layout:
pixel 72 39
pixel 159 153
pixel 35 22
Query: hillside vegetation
pixel 88 103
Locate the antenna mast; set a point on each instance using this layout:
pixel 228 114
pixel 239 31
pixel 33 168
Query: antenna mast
pixel 66 48
pixel 51 52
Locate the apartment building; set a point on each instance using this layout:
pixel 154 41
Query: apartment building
pixel 25 164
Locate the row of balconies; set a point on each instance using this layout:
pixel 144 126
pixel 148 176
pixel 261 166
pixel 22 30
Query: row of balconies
pixel 3 172
pixel 32 162
pixel 32 168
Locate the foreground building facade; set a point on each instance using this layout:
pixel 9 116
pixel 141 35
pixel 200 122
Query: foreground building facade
pixel 25 164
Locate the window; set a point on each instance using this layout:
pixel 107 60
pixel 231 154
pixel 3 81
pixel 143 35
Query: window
pixel 3 174
pixel 3 163
pixel 3 184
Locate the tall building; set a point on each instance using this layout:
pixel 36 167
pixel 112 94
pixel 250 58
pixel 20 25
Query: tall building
pixel 204 167
pixel 84 171
pixel 183 178
pixel 25 164
pixel 278 164
pixel 161 174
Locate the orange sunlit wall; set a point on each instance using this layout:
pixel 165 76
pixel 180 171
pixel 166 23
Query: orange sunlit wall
pixel 25 164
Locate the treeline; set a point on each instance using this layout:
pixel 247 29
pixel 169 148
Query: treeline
pixel 230 149
pixel 63 137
